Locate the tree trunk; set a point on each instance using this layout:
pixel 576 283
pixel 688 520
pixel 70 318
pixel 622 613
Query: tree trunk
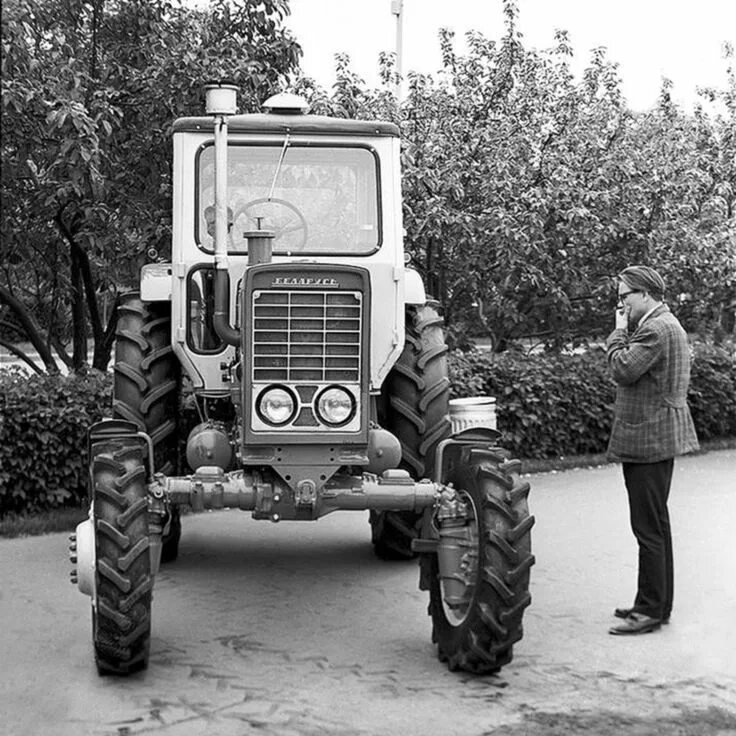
pixel 20 354
pixel 31 330
pixel 79 327
pixel 83 290
pixel 103 348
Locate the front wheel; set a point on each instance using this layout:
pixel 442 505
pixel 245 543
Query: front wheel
pixel 479 577
pixel 121 613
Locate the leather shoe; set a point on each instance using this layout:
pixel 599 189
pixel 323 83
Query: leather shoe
pixel 626 612
pixel 636 623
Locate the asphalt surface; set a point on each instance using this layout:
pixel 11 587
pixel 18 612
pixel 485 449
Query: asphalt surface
pixel 295 629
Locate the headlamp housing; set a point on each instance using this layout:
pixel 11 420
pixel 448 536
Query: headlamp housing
pixel 335 406
pixel 276 405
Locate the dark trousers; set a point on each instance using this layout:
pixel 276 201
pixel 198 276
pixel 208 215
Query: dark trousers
pixel 648 486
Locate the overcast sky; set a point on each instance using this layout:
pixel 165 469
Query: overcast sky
pixel 680 39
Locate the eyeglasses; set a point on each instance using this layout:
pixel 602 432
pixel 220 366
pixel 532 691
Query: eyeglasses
pixel 622 297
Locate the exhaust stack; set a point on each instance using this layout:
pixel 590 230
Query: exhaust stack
pixel 221 103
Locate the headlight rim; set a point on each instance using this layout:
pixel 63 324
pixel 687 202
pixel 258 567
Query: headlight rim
pixel 348 393
pixel 287 390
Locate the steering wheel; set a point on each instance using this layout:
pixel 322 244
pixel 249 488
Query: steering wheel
pixel 290 221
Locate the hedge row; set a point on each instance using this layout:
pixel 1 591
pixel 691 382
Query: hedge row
pixel 560 405
pixel 548 406
pixel 43 437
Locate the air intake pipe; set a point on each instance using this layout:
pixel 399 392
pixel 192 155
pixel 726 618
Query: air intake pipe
pixel 260 248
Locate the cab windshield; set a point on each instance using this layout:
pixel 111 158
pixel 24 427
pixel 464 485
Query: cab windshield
pixel 315 198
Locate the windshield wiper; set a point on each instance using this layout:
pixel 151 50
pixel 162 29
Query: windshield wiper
pixel 278 166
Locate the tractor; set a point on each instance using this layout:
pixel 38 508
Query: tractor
pixel 291 327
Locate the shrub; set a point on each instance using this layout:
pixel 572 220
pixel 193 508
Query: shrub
pixel 548 406
pixel 43 437
pixel 557 405
pixel 712 395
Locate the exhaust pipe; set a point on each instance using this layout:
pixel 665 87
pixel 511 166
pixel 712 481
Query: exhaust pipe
pixel 221 102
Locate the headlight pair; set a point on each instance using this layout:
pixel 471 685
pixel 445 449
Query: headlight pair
pixel 334 405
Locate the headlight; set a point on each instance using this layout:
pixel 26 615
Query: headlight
pixel 335 406
pixel 276 405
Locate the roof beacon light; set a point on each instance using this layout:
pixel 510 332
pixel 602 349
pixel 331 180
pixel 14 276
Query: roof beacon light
pixel 286 103
pixel 221 98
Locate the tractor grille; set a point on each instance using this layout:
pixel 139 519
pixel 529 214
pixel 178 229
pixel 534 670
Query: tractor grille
pixel 306 335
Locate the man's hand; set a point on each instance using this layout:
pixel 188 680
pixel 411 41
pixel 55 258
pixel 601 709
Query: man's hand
pixel 622 319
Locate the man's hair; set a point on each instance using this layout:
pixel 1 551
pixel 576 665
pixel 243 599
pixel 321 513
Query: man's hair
pixel 643 278
pixel 210 213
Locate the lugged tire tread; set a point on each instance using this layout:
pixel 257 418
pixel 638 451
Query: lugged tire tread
pixel 514 574
pixel 146 375
pixel 132 374
pixel 482 642
pixel 430 355
pixel 136 551
pixel 520 529
pixel 134 337
pixel 136 508
pixel 146 387
pixel 120 619
pixel 518 492
pixel 156 355
pixel 414 407
pixel 112 495
pixel 122 611
pixel 118 538
pixel 116 578
pixel 128 601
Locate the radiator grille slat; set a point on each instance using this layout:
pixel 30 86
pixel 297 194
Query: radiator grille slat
pixel 306 336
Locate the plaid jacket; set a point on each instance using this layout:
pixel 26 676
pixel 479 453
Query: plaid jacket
pixel 651 368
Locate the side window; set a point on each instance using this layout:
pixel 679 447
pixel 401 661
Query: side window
pixel 201 335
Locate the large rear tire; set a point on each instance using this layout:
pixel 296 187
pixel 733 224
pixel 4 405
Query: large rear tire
pixel 477 604
pixel 121 614
pixel 146 389
pixel 414 406
pixel 147 377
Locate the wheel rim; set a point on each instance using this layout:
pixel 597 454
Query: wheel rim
pixel 457 606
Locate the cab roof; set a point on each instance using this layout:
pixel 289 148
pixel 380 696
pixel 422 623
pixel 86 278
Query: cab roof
pixel 280 124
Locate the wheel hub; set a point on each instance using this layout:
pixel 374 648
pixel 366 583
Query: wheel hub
pixel 457 553
pixel 82 557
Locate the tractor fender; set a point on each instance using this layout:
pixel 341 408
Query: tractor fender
pixel 413 288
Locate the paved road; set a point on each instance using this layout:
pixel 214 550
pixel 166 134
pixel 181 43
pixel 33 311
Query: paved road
pixel 290 630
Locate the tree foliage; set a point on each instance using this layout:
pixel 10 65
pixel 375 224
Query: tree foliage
pixel 90 88
pixel 526 190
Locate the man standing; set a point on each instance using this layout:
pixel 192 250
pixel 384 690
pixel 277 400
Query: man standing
pixel 649 358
